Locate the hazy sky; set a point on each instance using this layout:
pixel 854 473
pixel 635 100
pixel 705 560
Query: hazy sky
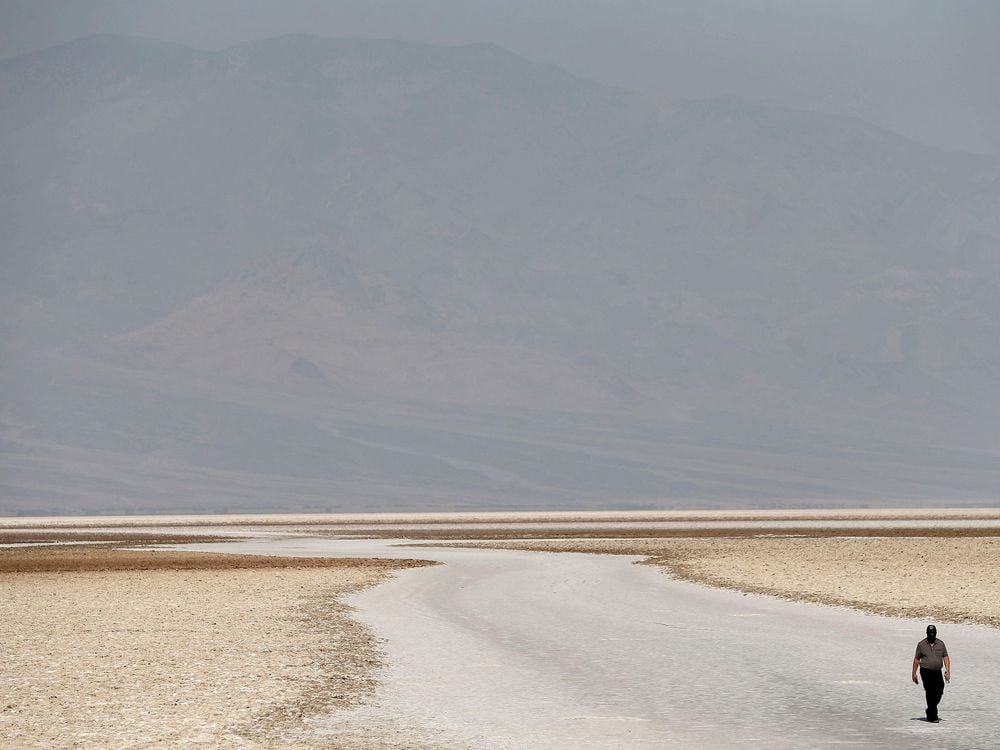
pixel 926 68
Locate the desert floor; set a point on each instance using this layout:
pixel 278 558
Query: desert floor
pixel 106 647
pixel 953 579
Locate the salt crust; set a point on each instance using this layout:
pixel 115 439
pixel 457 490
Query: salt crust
pixel 222 659
pixel 953 579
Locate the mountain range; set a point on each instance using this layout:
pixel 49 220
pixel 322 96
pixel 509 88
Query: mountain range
pixel 334 274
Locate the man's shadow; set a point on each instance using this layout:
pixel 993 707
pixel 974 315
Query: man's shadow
pixel 926 720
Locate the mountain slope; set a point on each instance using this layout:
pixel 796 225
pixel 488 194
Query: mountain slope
pixel 327 223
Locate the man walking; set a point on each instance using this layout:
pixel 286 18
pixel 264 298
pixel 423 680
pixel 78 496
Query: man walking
pixel 931 655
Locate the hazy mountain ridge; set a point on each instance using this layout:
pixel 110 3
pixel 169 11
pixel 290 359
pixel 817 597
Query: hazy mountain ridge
pixel 97 69
pixel 376 220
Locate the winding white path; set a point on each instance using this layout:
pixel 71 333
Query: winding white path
pixel 538 650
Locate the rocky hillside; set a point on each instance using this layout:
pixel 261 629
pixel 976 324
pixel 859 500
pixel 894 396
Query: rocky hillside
pixel 306 272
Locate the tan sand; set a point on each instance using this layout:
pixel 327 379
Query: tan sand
pixel 221 658
pixel 335 519
pixel 952 579
pixel 105 647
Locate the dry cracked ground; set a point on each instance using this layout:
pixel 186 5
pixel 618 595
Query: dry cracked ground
pixel 105 646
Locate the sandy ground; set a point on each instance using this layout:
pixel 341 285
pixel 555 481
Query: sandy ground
pixel 103 647
pixel 223 657
pixel 334 519
pixel 951 579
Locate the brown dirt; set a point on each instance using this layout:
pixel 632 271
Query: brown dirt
pixel 71 558
pixel 139 537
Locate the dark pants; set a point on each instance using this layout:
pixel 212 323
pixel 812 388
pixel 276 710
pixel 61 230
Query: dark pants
pixel 933 681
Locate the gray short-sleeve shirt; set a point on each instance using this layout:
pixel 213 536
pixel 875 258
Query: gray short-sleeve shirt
pixel 931 655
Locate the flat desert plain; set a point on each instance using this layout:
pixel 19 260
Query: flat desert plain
pixel 114 635
pixel 105 647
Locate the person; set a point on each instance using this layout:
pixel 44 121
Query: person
pixel 930 657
